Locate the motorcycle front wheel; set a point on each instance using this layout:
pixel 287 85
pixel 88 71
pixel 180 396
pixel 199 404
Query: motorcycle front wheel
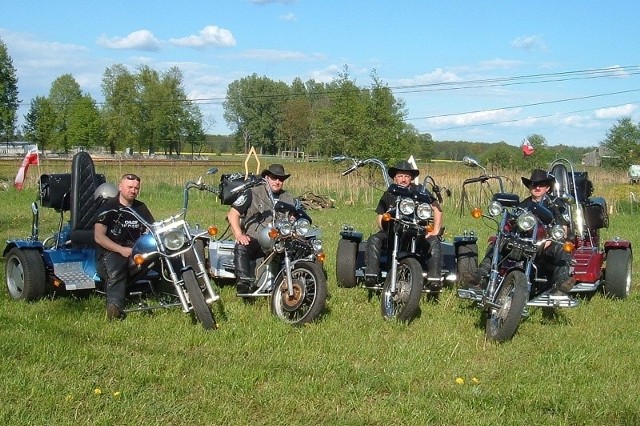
pixel 503 321
pixel 403 304
pixel 309 294
pixel 200 308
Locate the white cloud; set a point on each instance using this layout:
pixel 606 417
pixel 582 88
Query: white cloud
pixel 327 74
pixel 535 42
pixel 211 35
pixel 288 17
pixel 473 118
pixel 280 55
pixel 616 112
pixel 137 40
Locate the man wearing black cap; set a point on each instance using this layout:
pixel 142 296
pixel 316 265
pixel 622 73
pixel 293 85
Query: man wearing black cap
pixel 248 215
pixel 402 174
pixel 553 260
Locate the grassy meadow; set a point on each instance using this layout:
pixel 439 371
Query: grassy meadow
pixel 64 364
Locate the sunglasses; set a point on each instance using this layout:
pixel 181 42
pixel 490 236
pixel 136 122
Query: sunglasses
pixel 538 185
pixel 278 178
pixel 131 177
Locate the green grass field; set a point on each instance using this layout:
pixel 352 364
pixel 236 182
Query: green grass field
pixel 64 364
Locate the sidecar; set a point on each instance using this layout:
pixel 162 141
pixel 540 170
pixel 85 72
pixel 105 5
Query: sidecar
pixel 597 265
pixel 64 262
pixel 459 258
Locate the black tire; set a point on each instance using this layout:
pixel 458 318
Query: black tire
pixel 617 282
pixel 310 294
pixel 200 308
pixel 189 256
pixel 403 304
pixel 466 262
pixel 502 323
pixel 346 263
pixel 25 274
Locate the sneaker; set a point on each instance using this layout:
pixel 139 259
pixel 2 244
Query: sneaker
pixel 113 312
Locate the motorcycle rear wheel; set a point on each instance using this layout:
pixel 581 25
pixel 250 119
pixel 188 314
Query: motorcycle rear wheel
pixel 346 263
pixel 403 304
pixel 502 323
pixel 25 274
pixel 309 295
pixel 200 308
pixel 618 273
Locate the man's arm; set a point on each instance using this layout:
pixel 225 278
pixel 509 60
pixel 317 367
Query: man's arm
pixel 100 237
pixel 233 216
pixel 437 218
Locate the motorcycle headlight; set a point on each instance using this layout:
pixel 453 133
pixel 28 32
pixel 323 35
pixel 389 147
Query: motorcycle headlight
pixel 557 232
pixel 284 227
pixel 495 208
pixel 174 240
pixel 317 245
pixel 526 221
pixel 424 211
pixel 407 206
pixel 302 226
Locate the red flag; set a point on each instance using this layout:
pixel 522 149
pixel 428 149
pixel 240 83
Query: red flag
pixel 527 148
pixel 30 158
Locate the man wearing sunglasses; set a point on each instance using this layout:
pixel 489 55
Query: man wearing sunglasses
pixel 249 214
pixel 115 233
pixel 553 260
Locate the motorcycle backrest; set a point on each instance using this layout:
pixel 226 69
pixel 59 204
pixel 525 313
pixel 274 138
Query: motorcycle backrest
pixel 506 199
pixel 84 182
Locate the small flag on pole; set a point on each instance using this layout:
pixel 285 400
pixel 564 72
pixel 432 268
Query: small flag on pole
pixel 30 158
pixel 527 148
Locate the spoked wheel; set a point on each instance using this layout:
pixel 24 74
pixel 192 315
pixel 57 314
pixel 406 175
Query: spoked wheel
pixel 25 274
pixel 346 263
pixel 402 304
pixel 200 308
pixel 503 321
pixel 617 281
pixel 309 294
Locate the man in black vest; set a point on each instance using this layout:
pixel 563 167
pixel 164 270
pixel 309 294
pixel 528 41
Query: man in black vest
pixel 250 214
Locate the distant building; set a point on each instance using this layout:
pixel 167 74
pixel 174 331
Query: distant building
pixel 15 148
pixel 594 158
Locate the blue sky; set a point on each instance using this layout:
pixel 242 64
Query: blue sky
pixel 467 70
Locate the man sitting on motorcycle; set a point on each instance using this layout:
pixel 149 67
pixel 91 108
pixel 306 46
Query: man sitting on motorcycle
pixel 553 260
pixel 402 174
pixel 248 215
pixel 115 234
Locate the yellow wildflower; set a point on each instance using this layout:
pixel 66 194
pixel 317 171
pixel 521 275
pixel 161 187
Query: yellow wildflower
pixel 460 380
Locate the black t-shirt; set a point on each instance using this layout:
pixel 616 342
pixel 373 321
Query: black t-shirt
pixel 122 227
pixel 388 200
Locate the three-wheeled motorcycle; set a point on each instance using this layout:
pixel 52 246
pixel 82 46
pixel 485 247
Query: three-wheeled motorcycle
pixel 165 270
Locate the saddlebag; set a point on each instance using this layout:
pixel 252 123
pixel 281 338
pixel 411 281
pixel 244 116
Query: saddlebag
pixel 595 213
pixel 229 182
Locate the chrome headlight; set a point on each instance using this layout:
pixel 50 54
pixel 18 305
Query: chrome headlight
pixel 495 208
pixel 317 245
pixel 174 240
pixel 284 227
pixel 424 211
pixel 302 227
pixel 557 232
pixel 407 206
pixel 526 221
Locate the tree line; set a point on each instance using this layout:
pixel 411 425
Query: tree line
pixel 149 111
